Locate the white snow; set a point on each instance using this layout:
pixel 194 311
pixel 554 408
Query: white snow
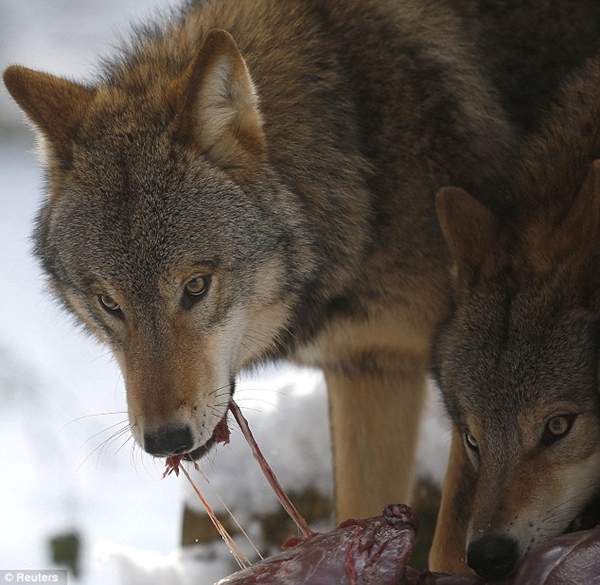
pixel 67 460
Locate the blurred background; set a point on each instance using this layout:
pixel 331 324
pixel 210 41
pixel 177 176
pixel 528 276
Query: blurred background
pixel 74 491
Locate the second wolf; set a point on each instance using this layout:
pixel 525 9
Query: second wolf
pixel 252 180
pixel 517 357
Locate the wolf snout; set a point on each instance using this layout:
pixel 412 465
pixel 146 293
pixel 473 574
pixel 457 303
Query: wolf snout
pixel 493 557
pixel 167 441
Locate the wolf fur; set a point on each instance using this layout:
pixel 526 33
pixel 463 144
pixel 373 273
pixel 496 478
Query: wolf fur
pixel 517 358
pixel 529 47
pixel 219 199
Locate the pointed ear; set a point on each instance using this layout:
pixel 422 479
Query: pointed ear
pixel 217 105
pixel 580 230
pixel 54 105
pixel 470 228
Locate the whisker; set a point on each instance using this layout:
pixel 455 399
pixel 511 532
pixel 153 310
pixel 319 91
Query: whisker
pixel 127 439
pixel 107 353
pixel 217 390
pixel 88 416
pixel 104 431
pixel 100 448
pixel 118 435
pixel 255 355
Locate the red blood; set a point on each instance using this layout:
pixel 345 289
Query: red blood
pixel 172 465
pixel 222 432
pixel 292 542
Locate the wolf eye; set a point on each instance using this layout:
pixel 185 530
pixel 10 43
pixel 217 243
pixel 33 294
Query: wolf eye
pixel 196 286
pixel 471 442
pixel 194 289
pixel 109 303
pixel 557 427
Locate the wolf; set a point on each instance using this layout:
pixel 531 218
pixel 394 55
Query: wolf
pixel 517 357
pixel 253 180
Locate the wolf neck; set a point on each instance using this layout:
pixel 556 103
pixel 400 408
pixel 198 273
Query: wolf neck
pixel 558 160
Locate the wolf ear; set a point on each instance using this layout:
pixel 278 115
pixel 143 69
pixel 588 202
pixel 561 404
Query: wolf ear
pixel 580 230
pixel 54 105
pixel 469 227
pixel 217 107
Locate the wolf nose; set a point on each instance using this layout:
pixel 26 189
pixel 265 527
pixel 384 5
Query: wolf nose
pixel 164 442
pixel 493 557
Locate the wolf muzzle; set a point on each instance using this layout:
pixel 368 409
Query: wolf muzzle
pixel 493 557
pixel 165 442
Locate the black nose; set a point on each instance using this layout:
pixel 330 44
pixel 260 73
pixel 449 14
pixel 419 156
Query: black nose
pixel 164 442
pixel 493 557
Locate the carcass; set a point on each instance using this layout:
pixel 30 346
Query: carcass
pixel 359 552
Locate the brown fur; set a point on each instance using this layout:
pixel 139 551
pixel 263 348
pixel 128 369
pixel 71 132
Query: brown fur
pixel 529 47
pixel 520 347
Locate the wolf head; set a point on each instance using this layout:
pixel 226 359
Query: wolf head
pixel 166 233
pixel 517 363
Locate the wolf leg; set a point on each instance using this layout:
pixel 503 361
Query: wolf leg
pixel 449 542
pixel 375 411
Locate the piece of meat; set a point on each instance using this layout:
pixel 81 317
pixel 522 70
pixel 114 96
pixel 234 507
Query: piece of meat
pixel 567 560
pixel 358 552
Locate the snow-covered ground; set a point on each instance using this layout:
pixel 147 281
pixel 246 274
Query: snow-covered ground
pixel 67 462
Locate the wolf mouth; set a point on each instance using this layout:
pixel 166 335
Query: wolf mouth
pixel 201 451
pixel 587 519
pixel 220 435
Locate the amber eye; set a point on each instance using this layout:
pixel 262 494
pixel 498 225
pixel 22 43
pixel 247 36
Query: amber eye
pixel 197 286
pixel 194 290
pixel 108 303
pixel 557 428
pixel 558 425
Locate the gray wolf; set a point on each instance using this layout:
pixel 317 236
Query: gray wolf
pixel 251 180
pixel 517 357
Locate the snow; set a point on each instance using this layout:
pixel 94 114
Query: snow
pixel 180 567
pixel 289 399
pixel 68 461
